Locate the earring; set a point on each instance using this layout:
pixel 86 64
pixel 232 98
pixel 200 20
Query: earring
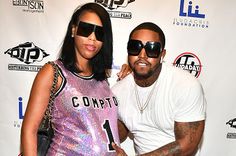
pixel 72 35
pixel 161 60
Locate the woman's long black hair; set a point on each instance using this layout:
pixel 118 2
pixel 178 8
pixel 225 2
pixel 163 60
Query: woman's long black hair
pixel 103 60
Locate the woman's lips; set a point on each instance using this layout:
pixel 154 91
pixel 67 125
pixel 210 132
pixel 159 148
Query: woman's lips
pixel 90 47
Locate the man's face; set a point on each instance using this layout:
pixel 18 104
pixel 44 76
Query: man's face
pixel 142 65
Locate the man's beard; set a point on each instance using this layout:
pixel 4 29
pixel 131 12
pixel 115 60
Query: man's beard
pixel 143 76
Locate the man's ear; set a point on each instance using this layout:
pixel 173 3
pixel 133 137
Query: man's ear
pixel 163 53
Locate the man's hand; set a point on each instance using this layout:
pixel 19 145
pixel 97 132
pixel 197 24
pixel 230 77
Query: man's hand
pixel 124 71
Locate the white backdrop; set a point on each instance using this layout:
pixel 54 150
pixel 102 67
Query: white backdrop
pixel 200 38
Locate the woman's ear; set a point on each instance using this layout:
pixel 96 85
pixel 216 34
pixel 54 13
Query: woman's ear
pixel 73 30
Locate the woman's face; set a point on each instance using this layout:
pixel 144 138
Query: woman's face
pixel 87 45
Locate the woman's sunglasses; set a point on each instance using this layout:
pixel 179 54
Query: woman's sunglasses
pixel 85 29
pixel 153 49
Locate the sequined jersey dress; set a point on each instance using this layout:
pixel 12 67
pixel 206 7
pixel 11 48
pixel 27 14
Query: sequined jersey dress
pixel 84 117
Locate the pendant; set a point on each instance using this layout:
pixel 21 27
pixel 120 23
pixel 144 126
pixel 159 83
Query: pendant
pixel 141 111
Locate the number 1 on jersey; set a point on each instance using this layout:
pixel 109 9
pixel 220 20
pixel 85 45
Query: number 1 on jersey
pixel 107 127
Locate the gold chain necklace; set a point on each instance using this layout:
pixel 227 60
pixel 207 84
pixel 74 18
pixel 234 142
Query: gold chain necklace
pixel 143 107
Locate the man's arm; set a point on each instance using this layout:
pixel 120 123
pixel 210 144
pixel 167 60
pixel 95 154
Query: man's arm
pixel 187 136
pixel 123 131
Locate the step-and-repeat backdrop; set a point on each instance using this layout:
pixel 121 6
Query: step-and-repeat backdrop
pixel 201 39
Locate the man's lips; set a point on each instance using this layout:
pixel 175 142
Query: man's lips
pixel 142 63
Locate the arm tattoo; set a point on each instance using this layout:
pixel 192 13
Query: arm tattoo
pixel 188 129
pixel 187 138
pixel 171 149
pixel 189 133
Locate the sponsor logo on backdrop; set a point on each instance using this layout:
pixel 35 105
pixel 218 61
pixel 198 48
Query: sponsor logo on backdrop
pixel 32 6
pixel 28 53
pixel 191 15
pixel 18 122
pixel 232 124
pixel 20 106
pixel 190 62
pixel 112 5
pixel 116 67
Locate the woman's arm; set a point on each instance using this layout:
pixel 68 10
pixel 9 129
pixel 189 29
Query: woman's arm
pixel 37 104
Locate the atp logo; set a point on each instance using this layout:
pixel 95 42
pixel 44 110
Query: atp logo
pixel 190 62
pixel 114 4
pixel 232 123
pixel 27 53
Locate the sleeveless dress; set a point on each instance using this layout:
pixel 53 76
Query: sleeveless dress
pixel 84 117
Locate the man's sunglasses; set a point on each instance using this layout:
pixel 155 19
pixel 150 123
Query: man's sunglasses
pixel 153 49
pixel 86 29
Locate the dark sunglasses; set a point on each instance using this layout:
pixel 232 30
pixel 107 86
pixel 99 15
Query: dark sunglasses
pixel 153 49
pixel 86 29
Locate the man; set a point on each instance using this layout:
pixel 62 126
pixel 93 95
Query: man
pixel 161 106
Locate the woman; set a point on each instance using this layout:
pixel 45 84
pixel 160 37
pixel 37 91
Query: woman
pixel 84 115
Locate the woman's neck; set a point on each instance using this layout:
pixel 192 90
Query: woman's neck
pixel 85 68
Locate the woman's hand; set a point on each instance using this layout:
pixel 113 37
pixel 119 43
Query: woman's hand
pixel 119 150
